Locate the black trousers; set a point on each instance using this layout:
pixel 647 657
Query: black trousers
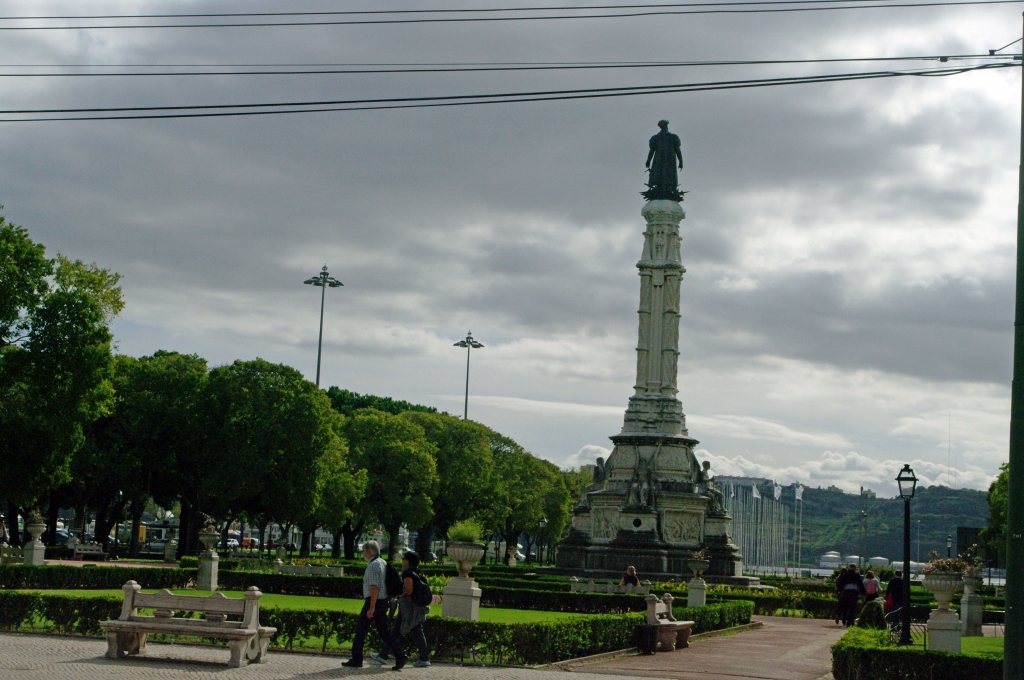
pixel 417 635
pixel 380 622
pixel 848 606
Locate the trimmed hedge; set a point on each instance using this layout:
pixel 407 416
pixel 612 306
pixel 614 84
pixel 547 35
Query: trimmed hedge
pixel 61 577
pixel 864 654
pixel 715 616
pixel 553 601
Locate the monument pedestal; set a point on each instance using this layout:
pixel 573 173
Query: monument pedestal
pixel 461 599
pixel 944 631
pixel 208 565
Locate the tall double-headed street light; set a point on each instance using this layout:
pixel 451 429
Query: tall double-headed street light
pixel 325 281
pixel 907 481
pixel 470 344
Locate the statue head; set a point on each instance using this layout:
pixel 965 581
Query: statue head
pixel 706 465
pixel 600 461
pixel 663 124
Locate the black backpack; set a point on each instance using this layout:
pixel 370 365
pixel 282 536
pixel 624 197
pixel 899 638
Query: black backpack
pixel 392 581
pixel 421 595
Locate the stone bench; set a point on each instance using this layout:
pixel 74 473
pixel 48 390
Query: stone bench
pixel 672 634
pixel 576 586
pixel 308 570
pixel 89 550
pixel 247 639
pixel 11 555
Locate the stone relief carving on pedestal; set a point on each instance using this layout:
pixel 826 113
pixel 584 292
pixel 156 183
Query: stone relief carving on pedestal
pixel 681 527
pixel 605 523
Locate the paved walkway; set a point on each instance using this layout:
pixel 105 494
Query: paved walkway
pixel 784 649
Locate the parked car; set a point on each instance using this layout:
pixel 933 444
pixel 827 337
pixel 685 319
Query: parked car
pixel 232 544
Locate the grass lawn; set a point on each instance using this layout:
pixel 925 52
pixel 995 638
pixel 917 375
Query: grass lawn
pixel 487 614
pixel 988 647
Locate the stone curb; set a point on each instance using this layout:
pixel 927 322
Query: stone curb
pixel 570 664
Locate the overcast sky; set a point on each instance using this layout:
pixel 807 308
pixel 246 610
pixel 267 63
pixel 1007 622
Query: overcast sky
pixel 849 247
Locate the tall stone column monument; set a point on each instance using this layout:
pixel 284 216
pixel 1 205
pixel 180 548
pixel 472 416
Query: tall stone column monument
pixel 651 505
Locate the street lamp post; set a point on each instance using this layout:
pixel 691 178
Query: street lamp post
pixel 907 481
pixel 325 281
pixel 949 545
pixel 470 344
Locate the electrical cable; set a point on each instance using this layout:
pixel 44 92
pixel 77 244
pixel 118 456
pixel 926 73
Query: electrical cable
pixel 441 20
pixel 462 10
pixel 427 68
pixel 211 111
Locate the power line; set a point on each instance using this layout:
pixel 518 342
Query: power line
pixel 461 10
pixel 224 110
pixel 428 68
pixel 440 20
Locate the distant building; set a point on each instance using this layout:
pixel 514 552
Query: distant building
pixel 867 493
pixel 834 488
pixel 741 481
pixel 830 560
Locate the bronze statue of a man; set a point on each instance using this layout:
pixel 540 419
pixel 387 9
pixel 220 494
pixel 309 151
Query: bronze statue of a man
pixel 662 180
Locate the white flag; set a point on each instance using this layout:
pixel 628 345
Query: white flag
pixel 757 494
pixel 778 492
pixel 799 492
pixel 732 491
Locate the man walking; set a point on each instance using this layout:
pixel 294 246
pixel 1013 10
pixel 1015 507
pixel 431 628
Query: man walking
pixel 375 609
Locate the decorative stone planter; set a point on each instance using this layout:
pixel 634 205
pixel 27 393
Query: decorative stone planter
pixel 466 556
pixel 35 552
pixel 944 627
pixel 971 606
pixel 208 561
pixel 943 586
pixel 462 595
pixel 696 590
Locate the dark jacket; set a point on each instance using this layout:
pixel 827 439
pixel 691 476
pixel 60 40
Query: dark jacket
pixel 895 588
pixel 850 578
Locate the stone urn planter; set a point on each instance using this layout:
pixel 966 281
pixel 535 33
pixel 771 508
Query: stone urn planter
pixel 209 538
pixel 466 556
pixel 943 585
pixel 972 584
pixel 698 567
pixel 35 530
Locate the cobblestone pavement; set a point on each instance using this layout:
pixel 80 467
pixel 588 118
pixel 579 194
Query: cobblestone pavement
pixel 783 649
pixel 51 657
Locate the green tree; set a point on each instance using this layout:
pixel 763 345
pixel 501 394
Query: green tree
pixel 400 469
pixel 517 498
pixel 465 471
pixel 347 403
pixel 23 272
pixel 998 495
pixel 55 364
pixel 277 442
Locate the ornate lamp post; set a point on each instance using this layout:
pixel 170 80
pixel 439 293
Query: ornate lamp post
pixel 949 545
pixel 470 344
pixel 907 481
pixel 325 281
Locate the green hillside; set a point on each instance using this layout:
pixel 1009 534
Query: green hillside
pixel 831 521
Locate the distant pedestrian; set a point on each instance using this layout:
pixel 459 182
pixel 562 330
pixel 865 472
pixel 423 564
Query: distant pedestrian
pixel 629 578
pixel 411 615
pixel 894 592
pixel 872 586
pixel 375 609
pixel 839 597
pixel 850 586
pixel 4 538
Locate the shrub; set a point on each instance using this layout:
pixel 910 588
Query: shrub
pixel 865 653
pixel 465 531
pixel 553 601
pixel 716 616
pixel 872 615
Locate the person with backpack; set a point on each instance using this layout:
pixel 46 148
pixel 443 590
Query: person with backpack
pixel 872 586
pixel 413 607
pixel 375 609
